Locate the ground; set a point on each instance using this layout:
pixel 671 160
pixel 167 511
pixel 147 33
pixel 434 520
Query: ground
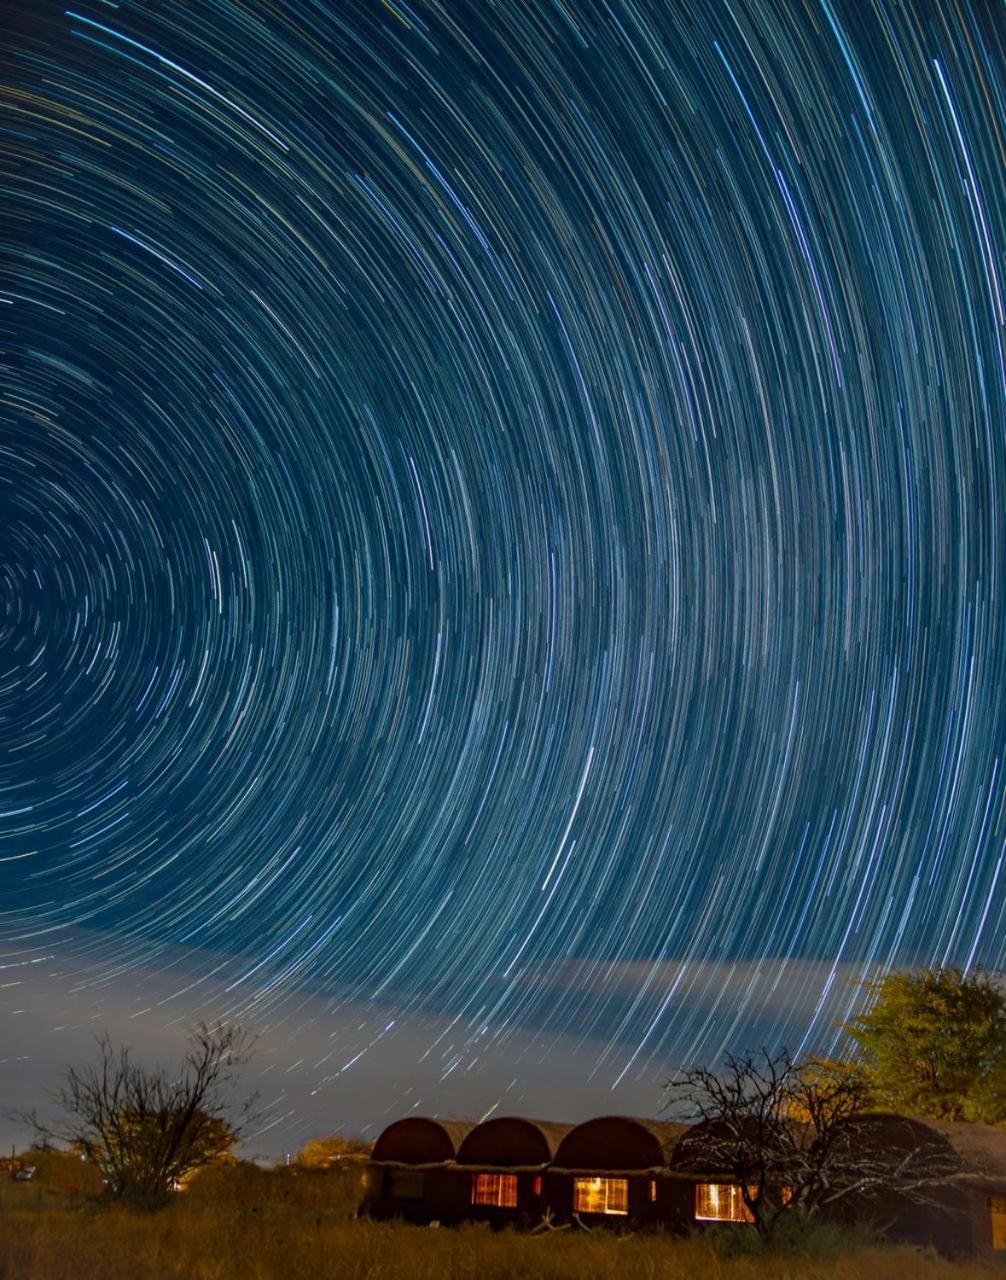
pixel 250 1224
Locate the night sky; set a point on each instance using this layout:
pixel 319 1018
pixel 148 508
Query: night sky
pixel 502 534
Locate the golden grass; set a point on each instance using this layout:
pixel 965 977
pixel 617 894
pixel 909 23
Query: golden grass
pixel 282 1225
pixel 185 1243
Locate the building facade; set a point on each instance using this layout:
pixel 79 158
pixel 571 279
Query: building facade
pixel 632 1173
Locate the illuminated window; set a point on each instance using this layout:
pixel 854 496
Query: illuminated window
pixel 720 1202
pixel 536 1185
pixel 600 1195
pixel 496 1189
pixel 653 1191
pixel 404 1184
pixel 997 1214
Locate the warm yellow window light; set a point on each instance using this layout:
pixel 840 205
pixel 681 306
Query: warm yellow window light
pixel 720 1202
pixel 600 1195
pixel 496 1189
pixel 997 1214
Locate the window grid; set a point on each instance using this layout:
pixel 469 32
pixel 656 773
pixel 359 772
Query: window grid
pixel 499 1190
pixel 720 1202
pixel 601 1195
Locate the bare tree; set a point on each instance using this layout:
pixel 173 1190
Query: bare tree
pixel 797 1138
pixel 147 1128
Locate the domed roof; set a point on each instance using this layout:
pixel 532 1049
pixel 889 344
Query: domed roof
pixel 508 1141
pixel 622 1143
pixel 421 1140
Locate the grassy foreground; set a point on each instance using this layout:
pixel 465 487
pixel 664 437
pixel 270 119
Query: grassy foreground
pixel 277 1226
pixel 294 1245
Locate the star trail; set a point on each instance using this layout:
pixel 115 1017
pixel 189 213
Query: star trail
pixel 502 522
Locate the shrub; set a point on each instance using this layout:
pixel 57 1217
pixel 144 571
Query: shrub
pixel 193 1241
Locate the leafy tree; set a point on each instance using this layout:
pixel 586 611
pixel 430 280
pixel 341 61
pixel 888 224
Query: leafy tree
pixel 933 1043
pixel 65 1171
pixel 147 1129
pixel 320 1153
pixel 796 1138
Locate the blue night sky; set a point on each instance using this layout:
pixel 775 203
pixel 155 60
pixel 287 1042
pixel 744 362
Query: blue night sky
pixel 502 534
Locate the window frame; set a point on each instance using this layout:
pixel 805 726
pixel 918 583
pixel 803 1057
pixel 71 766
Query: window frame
pixel 590 1186
pixel 415 1177
pixel 713 1191
pixel 489 1184
pixel 997 1223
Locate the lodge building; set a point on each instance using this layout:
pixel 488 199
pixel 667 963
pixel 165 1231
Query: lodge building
pixel 631 1172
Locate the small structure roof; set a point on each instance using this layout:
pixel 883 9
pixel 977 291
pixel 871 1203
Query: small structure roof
pixel 621 1144
pixel 421 1140
pixel 512 1141
pixel 981 1147
pixel 457 1130
pixel 635 1144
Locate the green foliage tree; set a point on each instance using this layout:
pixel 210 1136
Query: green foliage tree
pixel 933 1043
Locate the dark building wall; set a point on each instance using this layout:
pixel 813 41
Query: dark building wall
pixel 443 1196
pixel 676 1204
pixel 511 1143
pixel 559 1194
pixel 616 1147
pixel 959 1221
pixel 529 1210
pixel 644 1206
pixel 446 1196
pixel 660 1191
pixel 954 1220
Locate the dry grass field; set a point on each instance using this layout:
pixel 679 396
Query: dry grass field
pixel 251 1224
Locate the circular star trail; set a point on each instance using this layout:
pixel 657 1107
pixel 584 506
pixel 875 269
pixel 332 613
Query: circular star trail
pixel 501 505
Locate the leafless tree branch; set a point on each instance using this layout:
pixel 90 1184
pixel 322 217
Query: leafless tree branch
pixel 147 1128
pixel 797 1138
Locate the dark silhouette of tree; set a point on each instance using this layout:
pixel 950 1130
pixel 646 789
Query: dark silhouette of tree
pixel 146 1129
pixel 796 1138
pixel 933 1043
